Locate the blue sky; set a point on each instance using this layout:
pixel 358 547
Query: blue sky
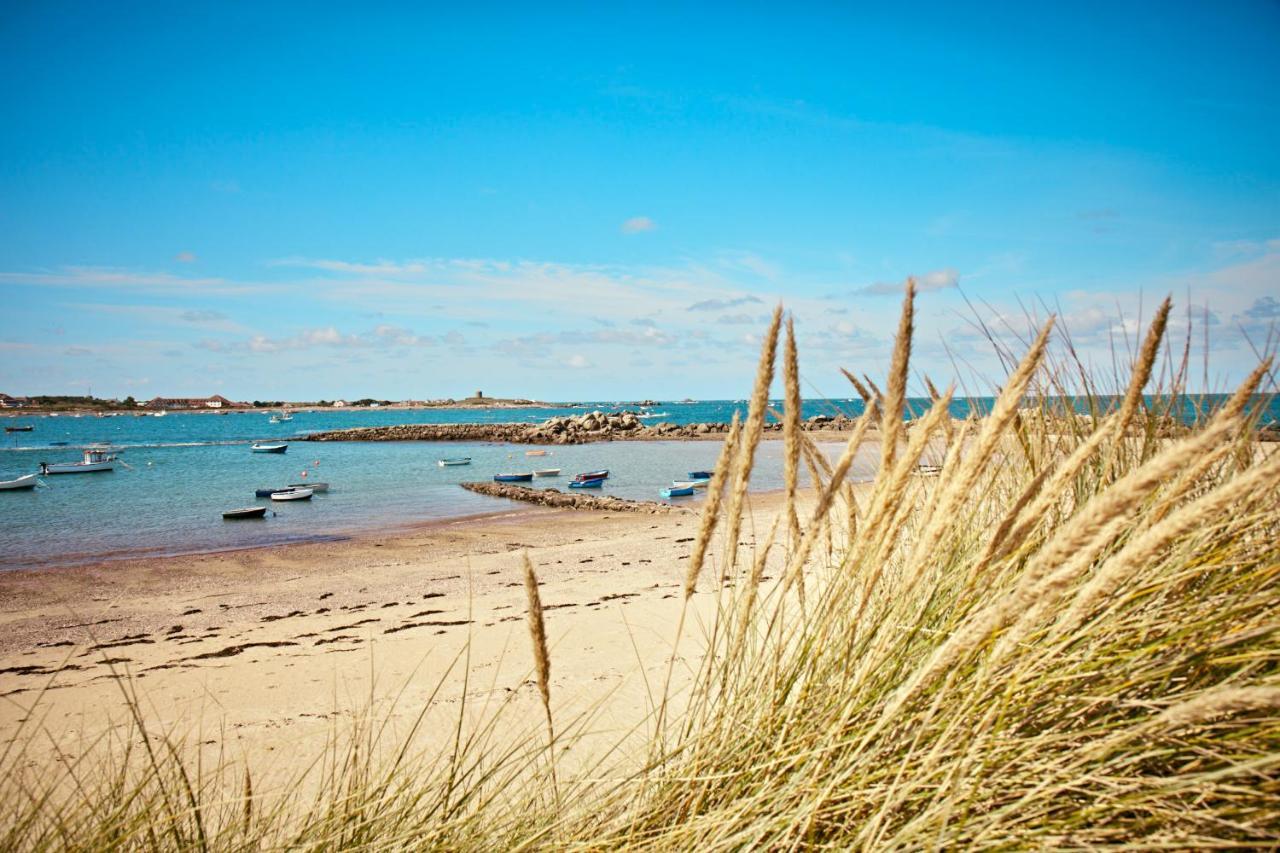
pixel 275 201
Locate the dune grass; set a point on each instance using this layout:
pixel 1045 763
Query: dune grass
pixel 1070 636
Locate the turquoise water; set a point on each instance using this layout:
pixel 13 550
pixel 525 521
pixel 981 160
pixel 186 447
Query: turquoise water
pixel 183 470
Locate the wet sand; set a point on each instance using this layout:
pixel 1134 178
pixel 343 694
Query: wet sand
pixel 261 652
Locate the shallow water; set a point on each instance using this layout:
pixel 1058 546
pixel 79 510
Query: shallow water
pixel 182 471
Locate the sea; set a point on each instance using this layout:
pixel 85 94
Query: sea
pixel 178 473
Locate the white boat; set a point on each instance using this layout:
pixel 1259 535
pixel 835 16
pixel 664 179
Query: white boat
pixel 94 460
pixel 689 484
pixel 448 463
pixel 292 495
pixel 547 472
pixel 257 447
pixel 27 481
pixel 535 453
pixel 315 487
pixel 159 414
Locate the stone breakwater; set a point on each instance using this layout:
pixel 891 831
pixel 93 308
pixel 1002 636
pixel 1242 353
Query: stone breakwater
pixel 567 500
pixel 575 429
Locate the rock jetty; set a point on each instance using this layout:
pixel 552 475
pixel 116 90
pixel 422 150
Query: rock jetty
pixel 569 429
pixel 567 500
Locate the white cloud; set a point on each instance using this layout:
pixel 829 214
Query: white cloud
pixel 638 224
pixel 721 304
pixel 930 281
pixel 577 361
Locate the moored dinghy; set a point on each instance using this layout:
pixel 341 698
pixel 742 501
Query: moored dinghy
pixel 292 495
pixel 699 475
pixel 513 478
pixel 677 492
pixel 315 487
pixel 602 474
pixel 448 462
pixel 258 447
pixel 27 481
pixel 547 472
pixel 245 512
pixel 587 484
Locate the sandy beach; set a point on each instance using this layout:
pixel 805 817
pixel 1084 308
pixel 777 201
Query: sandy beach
pixel 262 651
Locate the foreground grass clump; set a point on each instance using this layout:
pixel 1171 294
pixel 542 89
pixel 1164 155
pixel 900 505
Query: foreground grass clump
pixel 1069 636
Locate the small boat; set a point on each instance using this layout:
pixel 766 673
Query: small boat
pixel 535 453
pixel 457 460
pixel 284 417
pixel 94 461
pixel 689 484
pixel 269 448
pixel 246 512
pixel 675 492
pixel 700 475
pixel 273 420
pixel 160 414
pixel 587 484
pixel 19 429
pixel 27 481
pixel 59 443
pixel 513 478
pixel 266 493
pixel 292 495
pixel 547 472
pixel 593 475
pixel 315 487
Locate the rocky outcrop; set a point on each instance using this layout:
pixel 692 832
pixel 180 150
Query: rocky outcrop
pixel 568 500
pixel 569 429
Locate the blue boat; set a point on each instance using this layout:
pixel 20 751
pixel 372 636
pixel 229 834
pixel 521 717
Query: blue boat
pixel 593 475
pixel 675 492
pixel 513 478
pixel 700 475
pixel 587 484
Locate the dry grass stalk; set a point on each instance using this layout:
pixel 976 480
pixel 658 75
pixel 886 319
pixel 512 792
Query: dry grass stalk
pixel 1257 483
pixel 1139 378
pixel 796 564
pixel 541 656
pixel 960 484
pixel 711 506
pixel 895 400
pixel 751 432
pixel 791 428
pixel 865 393
pixel 1223 702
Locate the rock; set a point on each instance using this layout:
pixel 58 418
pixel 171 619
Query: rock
pixel 564 500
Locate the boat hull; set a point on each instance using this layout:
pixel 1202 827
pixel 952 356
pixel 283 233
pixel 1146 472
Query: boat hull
pixel 315 487
pixel 547 472
pixel 451 463
pixel 269 448
pixel 593 475
pixel 25 482
pixel 677 493
pixel 512 478
pixel 245 513
pixel 76 467
pixel 587 484
pixel 292 495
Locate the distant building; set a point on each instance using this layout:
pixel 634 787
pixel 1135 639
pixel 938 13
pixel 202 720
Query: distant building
pixel 217 401
pixel 479 395
pixel 339 404
pixel 7 402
